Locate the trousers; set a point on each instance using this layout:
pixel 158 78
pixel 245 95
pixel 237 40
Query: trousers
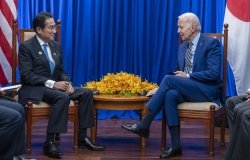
pixel 12 129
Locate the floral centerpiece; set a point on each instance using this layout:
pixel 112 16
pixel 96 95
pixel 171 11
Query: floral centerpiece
pixel 121 83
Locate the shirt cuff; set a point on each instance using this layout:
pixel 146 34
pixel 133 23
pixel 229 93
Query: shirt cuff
pixel 188 76
pixel 49 83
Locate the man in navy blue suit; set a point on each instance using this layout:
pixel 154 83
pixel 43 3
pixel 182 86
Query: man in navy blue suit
pixel 196 79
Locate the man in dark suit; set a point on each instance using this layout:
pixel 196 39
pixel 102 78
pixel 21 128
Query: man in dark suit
pixel 234 105
pixel 239 146
pixel 196 79
pixel 12 133
pixel 238 114
pixel 43 79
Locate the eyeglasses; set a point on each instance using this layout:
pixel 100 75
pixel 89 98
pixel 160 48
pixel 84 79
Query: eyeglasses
pixel 51 28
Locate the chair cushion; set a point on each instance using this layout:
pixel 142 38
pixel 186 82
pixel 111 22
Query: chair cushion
pixel 203 106
pixel 43 104
pixel 46 105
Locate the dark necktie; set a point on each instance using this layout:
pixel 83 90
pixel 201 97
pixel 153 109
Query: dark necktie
pixel 51 64
pixel 188 57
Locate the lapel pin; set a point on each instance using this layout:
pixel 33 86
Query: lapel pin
pixel 40 53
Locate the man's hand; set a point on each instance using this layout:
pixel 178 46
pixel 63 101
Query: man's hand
pixel 61 85
pixel 248 95
pixel 64 86
pixel 70 89
pixel 181 74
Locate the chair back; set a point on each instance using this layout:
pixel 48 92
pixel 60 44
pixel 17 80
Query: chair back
pixel 223 38
pixel 21 35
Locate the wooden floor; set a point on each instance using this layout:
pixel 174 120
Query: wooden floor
pixel 122 145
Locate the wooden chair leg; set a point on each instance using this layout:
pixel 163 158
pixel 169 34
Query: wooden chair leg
pixel 211 128
pixel 211 140
pixel 28 126
pixel 76 124
pixel 223 126
pixel 143 140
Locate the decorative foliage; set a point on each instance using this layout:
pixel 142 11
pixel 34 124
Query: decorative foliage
pixel 121 83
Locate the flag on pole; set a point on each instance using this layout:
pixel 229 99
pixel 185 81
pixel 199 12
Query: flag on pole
pixel 237 15
pixel 8 12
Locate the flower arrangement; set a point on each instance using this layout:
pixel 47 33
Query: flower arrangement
pixel 121 83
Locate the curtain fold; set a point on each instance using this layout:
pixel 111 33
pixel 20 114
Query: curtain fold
pixel 136 36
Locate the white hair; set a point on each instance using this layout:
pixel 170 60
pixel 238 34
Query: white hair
pixel 192 19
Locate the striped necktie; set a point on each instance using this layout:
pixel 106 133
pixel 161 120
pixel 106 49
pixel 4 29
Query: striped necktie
pixel 188 64
pixel 51 64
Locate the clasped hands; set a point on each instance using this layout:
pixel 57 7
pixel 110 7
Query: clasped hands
pixel 64 86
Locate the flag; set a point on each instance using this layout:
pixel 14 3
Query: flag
pixel 8 12
pixel 237 15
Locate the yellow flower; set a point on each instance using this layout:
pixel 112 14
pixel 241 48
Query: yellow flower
pixel 121 83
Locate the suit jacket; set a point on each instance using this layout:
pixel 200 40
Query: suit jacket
pixel 35 69
pixel 206 66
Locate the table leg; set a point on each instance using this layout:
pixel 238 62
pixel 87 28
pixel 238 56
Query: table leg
pixel 142 115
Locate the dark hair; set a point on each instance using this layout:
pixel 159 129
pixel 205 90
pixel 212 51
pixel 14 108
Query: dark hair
pixel 39 20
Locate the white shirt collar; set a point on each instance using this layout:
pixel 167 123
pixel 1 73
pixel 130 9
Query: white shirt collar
pixel 196 39
pixel 41 42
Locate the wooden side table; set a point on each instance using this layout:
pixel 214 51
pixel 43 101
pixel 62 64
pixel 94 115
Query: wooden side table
pixel 117 102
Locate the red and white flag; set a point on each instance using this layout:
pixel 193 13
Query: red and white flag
pixel 8 12
pixel 237 15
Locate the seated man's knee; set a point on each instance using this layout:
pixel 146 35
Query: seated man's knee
pixel 87 92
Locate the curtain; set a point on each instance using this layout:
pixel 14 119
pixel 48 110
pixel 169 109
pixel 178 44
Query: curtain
pixel 136 36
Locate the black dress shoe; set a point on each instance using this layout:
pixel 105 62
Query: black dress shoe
pixel 170 153
pixel 134 129
pixel 86 143
pixel 20 157
pixel 50 150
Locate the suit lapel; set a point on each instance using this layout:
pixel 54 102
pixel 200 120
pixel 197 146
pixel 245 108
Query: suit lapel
pixel 198 50
pixel 54 53
pixel 39 52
